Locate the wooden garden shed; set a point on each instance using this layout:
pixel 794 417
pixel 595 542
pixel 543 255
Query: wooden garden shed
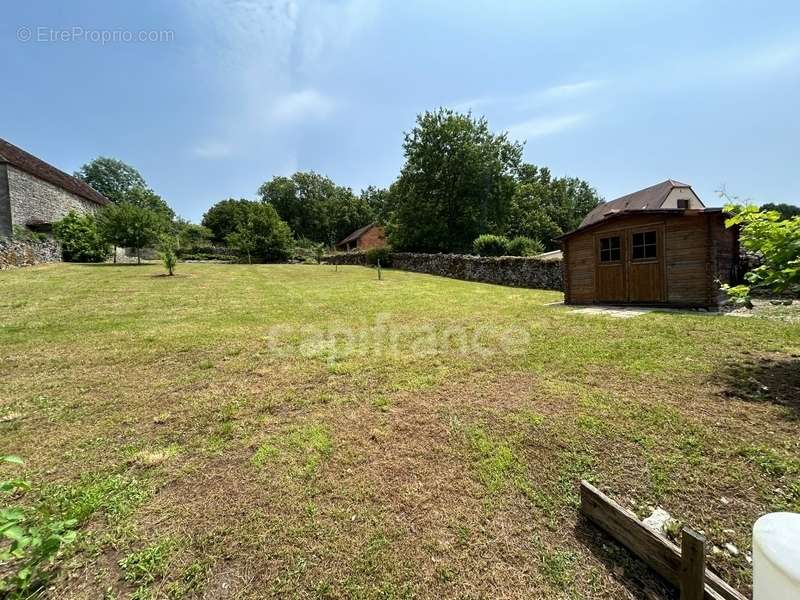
pixel 659 246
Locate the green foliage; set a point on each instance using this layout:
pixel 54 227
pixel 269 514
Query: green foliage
pixel 384 255
pixel 168 247
pixel 130 226
pixel 491 245
pixel 111 177
pixel 24 234
pixel 456 183
pixel 786 211
pixel 544 207
pixel 29 544
pixel 262 235
pixel 80 237
pixel 315 207
pixel 225 217
pixel 192 238
pixel 776 241
pixel 379 201
pixel 524 246
pixel 148 199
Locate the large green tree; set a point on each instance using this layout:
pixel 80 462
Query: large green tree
pixel 786 211
pixel 456 183
pixel 225 217
pixel 315 207
pixel 111 177
pixel 543 207
pixel 262 234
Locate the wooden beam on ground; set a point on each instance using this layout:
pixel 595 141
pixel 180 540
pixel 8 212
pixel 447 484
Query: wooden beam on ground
pixel 658 553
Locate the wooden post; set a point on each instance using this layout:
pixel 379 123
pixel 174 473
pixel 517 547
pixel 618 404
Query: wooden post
pixel 693 565
pixel 379 269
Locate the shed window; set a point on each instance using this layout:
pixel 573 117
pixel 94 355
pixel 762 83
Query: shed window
pixel 644 245
pixel 683 203
pixel 610 249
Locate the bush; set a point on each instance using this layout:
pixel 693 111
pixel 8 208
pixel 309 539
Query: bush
pixel 491 245
pixel 80 239
pixel 524 246
pixel 168 246
pixel 384 255
pixel 23 234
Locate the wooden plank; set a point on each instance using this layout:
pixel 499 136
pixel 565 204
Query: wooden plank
pixel 658 553
pixel 693 564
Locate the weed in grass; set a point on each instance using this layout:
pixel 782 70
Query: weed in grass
pixel 558 567
pixel 381 403
pixel 115 495
pixel 769 461
pixel 307 447
pixel 148 564
pixel 496 463
pixel 191 582
pixel 575 466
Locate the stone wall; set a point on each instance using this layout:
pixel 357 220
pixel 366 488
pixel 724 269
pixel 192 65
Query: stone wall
pixel 20 253
pixel 33 199
pixel 517 271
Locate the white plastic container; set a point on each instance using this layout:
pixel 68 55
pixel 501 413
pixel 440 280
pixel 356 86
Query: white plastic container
pixel 776 557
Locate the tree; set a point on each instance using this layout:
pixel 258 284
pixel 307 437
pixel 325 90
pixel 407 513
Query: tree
pixel 456 183
pixel 130 226
pixel 786 211
pixel 111 177
pixel 225 217
pixel 80 237
pixel 147 198
pixel 315 207
pixel 775 240
pixel 379 202
pixel 192 237
pixel 262 235
pixel 544 207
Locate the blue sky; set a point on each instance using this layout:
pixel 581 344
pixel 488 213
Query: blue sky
pixel 622 94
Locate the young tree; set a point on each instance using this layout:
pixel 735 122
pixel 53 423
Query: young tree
pixel 111 177
pixel 168 247
pixel 456 183
pixel 130 226
pixel 81 240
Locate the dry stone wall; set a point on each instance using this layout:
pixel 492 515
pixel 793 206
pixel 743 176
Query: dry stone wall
pixel 20 253
pixel 517 271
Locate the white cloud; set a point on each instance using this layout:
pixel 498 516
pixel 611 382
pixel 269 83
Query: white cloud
pixel 211 149
pixel 542 126
pixel 534 98
pixel 302 105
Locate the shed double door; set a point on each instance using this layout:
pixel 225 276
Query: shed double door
pixel 629 265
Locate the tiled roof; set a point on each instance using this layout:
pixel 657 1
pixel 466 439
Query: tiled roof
pixel 11 154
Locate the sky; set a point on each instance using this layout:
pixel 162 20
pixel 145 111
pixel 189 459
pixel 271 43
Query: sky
pixel 209 99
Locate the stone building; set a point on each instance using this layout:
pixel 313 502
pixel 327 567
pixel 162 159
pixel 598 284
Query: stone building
pixel 34 194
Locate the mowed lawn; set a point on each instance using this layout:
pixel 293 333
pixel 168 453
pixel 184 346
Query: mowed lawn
pixel 304 431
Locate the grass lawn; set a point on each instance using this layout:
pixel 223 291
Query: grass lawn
pixel 262 431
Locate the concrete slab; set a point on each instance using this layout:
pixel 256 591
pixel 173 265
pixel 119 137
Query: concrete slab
pixel 617 312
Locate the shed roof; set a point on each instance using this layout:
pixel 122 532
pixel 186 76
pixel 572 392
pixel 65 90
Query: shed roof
pixel 649 198
pixel 17 157
pixel 357 234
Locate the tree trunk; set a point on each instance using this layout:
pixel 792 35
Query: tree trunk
pixel 115 254
pixel 138 256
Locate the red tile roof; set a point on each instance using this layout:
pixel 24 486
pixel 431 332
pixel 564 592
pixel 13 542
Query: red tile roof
pixel 17 157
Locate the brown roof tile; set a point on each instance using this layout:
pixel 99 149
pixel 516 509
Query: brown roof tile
pixel 11 154
pixel 649 198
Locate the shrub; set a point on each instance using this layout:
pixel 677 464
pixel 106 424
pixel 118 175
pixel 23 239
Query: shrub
pixel 491 245
pixel 80 239
pixel 373 255
pixel 263 235
pixel 23 234
pixel 524 246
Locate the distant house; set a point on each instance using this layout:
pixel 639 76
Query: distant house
pixel 369 236
pixel 660 246
pixel 34 194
